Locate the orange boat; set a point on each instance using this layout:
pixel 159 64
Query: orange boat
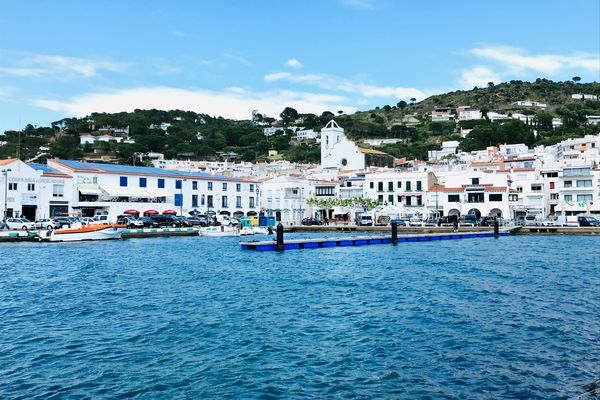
pixel 88 232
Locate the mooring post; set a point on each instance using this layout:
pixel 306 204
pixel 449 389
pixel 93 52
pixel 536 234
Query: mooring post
pixel 496 229
pixel 279 237
pixel 394 233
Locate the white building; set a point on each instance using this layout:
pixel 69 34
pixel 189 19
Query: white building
pixel 382 141
pixel 582 96
pixel 529 103
pixel 287 196
pixel 113 189
pixel 34 190
pixel 466 114
pixel 448 148
pixel 399 188
pixel 306 134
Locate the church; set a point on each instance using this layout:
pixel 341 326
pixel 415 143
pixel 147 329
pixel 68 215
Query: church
pixel 339 152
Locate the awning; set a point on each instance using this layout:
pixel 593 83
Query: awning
pixel 131 212
pixel 149 212
pixel 90 189
pixel 173 212
pixel 127 192
pixel 154 192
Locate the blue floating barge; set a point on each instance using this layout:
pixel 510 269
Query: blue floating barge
pixel 310 243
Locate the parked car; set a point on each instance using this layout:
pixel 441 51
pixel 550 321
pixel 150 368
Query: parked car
pixel 530 220
pixel 3 225
pixel 469 219
pixel 546 222
pixel 167 220
pixel 148 222
pixel 20 224
pixel 364 220
pixel 415 221
pixel 199 220
pixel 487 221
pixel 586 220
pixel 100 220
pixel 47 223
pixel 129 221
pixel 400 221
pixel 184 221
pixel 64 221
pixel 311 221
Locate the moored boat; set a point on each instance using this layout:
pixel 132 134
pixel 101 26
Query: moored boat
pixel 89 232
pixel 215 231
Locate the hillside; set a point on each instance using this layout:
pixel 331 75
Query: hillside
pixel 189 135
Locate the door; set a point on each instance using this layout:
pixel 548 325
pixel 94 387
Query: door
pixel 28 212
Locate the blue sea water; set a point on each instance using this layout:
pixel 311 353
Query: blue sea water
pixel 516 317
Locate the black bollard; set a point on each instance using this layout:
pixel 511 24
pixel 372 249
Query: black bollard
pixel 279 237
pixel 496 229
pixel 394 233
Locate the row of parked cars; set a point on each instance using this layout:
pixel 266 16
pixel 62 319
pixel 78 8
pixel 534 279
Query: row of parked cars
pixel 23 224
pixel 174 221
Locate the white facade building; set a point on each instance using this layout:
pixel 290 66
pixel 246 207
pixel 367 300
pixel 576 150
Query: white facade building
pixel 337 151
pixel 287 196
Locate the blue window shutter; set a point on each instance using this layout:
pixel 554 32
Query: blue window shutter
pixel 123 181
pixel 178 184
pixel 178 200
pixel 142 182
pixel 161 183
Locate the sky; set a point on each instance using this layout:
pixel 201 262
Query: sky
pixel 226 58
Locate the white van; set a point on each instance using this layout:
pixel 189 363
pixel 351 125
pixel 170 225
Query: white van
pixel 364 220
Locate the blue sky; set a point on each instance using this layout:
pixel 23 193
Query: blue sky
pixel 71 58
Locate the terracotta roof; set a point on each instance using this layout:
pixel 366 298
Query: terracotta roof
pixel 7 161
pixel 440 188
pixel 511 160
pixel 494 188
pixel 372 151
pixel 485 163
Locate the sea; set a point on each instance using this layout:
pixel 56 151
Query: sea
pixel 191 318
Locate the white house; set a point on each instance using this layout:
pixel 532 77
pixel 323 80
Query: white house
pixel 305 134
pixel 449 147
pixel 287 196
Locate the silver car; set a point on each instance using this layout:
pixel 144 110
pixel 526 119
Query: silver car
pixel 20 224
pixel 47 223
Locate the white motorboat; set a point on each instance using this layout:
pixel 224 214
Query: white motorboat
pixel 89 232
pixel 216 231
pixel 246 231
pixel 260 230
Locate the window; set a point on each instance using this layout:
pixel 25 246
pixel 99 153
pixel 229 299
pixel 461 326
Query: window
pixel 238 187
pixel 178 199
pixel 568 184
pixel 12 186
pixel 553 196
pixel 142 182
pixel 419 200
pixel 123 181
pixel 194 200
pixel 161 183
pixel 474 181
pixel 238 201
pixel 576 171
pixel 408 186
pixel 551 185
pixel 513 197
pixel 399 200
pixel 520 189
pixel 372 185
pixel 224 186
pixel 568 197
pixel 209 185
pixel 453 198
pixel 399 184
pixel 30 187
pixel 380 198
pixel 552 174
pixel 496 197
pixel 584 183
pixel 391 198
pixel 419 188
pixel 224 202
pixel 390 186
pixel 536 187
pixel 251 202
pixel 475 197
pixel 380 186
pixel 178 184
pixel 194 185
pixel 528 164
pixel 585 197
pixel 408 200
pixel 58 190
pixel 209 201
pixel 252 187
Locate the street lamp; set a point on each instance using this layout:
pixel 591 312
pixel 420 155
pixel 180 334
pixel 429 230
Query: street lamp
pixel 5 173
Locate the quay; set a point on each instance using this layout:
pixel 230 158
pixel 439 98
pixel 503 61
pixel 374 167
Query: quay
pixel 18 236
pixel 521 230
pixel 158 232
pixel 308 243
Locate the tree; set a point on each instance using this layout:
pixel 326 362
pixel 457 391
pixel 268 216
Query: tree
pixel 288 115
pixel 413 100
pixel 387 108
pixel 402 104
pixel 576 79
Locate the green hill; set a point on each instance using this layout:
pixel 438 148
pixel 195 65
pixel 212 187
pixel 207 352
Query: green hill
pixel 189 135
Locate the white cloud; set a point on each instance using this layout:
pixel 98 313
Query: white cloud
pixel 62 67
pixel 518 61
pixel 360 4
pixel 294 63
pixel 478 76
pixel 233 102
pixel 333 83
pixel 238 58
pixel 164 67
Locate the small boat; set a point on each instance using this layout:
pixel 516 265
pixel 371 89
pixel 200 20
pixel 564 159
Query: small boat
pixel 260 230
pixel 88 232
pixel 215 231
pixel 246 231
